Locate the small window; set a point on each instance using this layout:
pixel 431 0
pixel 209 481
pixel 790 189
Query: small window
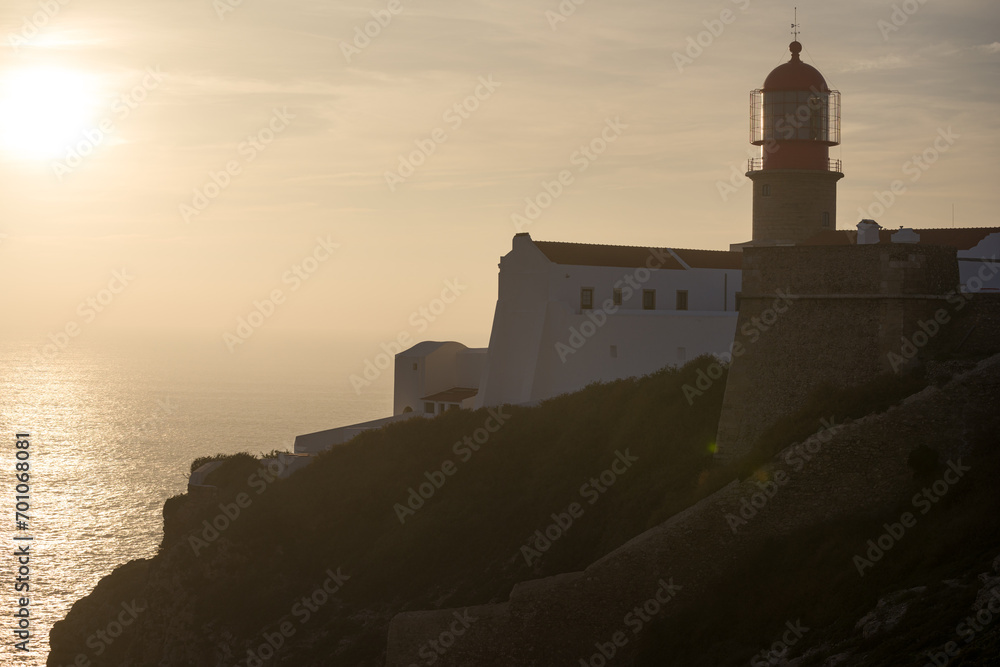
pixel 587 298
pixel 826 218
pixel 682 299
pixel 428 408
pixel 414 365
pixel 453 406
pixel 765 190
pixel 614 351
pixel 649 299
pixel 616 296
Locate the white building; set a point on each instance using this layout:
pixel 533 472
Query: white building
pixel 432 377
pixel 569 314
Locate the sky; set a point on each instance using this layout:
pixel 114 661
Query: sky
pixel 181 162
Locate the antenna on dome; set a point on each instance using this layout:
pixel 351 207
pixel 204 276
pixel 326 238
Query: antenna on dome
pixel 795 25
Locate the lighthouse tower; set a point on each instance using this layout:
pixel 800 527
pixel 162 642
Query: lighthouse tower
pixel 794 118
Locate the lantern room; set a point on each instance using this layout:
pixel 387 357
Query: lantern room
pixel 795 118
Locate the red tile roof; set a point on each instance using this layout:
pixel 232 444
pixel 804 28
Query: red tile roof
pixel 961 238
pixel 588 254
pixel 453 395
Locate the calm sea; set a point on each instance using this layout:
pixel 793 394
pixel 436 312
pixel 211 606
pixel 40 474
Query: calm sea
pixel 114 429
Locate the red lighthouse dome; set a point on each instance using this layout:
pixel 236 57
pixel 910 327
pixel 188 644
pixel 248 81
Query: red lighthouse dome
pixel 795 75
pixel 795 117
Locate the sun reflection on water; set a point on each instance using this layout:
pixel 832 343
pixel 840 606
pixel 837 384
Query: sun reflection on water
pixel 112 438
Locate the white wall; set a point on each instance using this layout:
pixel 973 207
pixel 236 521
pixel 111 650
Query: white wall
pixel 440 366
pixel 313 443
pixel 988 248
pixel 539 308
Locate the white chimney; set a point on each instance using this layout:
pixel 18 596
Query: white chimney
pixel 906 235
pixel 868 232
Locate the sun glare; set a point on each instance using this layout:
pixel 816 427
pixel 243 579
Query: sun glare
pixel 44 110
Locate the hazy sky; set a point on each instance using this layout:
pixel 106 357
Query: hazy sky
pixel 160 94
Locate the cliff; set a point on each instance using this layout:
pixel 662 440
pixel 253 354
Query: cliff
pixel 553 536
pixel 420 514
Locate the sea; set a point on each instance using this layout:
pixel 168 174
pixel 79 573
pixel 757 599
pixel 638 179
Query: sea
pixel 114 426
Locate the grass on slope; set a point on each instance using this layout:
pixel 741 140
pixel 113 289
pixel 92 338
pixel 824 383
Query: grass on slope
pixel 464 545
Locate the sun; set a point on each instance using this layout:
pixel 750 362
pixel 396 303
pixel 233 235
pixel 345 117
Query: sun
pixel 45 110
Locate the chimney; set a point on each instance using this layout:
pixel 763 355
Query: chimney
pixel 906 235
pixel 868 232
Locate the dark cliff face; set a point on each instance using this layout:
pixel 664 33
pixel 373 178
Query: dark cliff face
pixel 311 570
pixel 416 515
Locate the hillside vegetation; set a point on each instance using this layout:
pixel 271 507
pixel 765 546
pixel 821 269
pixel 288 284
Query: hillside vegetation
pixel 462 546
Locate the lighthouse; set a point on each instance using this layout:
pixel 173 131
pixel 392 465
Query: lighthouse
pixel 794 119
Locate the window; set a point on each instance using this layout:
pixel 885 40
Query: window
pixel 453 406
pixel 826 218
pixel 682 299
pixel 649 299
pixel 428 408
pixel 616 296
pixel 799 114
pixel 765 190
pixel 614 351
pixel 587 298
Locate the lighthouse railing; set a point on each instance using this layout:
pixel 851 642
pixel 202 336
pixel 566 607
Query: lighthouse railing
pixel 757 164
